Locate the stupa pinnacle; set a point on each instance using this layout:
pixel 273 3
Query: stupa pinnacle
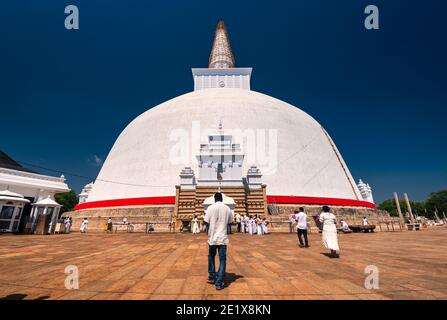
pixel 221 56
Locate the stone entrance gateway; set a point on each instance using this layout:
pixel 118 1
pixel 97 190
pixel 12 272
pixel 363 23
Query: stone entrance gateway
pixel 190 202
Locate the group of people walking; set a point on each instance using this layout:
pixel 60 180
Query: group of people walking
pixel 218 216
pixel 68 222
pixel 328 222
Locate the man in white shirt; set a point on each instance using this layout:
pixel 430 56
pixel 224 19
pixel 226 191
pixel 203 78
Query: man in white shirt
pixel 238 221
pixel 301 226
pixel 218 216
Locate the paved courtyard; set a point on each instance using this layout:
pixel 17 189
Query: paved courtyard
pixel 412 265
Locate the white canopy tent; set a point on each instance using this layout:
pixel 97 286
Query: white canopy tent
pixel 226 200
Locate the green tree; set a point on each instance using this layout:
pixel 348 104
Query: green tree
pixel 437 201
pixel 67 199
pixel 419 208
pixel 390 206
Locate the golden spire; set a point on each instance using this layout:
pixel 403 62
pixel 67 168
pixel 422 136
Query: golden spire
pixel 221 55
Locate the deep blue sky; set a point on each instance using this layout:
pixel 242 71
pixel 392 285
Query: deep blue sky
pixel 65 95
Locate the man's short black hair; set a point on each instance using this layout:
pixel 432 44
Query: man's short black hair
pixel 326 209
pixel 301 209
pixel 218 197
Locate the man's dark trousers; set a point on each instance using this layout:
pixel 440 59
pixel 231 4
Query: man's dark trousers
pixel 222 249
pixel 301 233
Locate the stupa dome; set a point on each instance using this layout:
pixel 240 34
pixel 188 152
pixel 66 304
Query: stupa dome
pixel 284 151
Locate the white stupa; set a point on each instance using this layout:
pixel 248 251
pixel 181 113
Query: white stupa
pixel 300 163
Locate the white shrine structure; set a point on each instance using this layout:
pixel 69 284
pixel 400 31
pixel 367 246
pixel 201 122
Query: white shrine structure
pixel 220 161
pixel 365 191
pixel 20 189
pixel 85 192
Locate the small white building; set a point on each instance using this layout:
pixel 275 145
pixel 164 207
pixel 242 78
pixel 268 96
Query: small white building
pixel 26 185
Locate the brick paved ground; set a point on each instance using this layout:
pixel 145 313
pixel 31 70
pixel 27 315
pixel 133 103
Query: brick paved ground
pixel 412 265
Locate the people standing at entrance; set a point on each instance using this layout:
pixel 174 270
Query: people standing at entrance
pixel 265 229
pixel 84 225
pixel 195 225
pixel 109 225
pixel 242 223
pixel 218 216
pixel 329 222
pixel 301 228
pixel 238 222
pixel 250 225
pixel 259 226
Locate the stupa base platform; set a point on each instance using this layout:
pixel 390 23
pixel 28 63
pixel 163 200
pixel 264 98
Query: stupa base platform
pixel 162 216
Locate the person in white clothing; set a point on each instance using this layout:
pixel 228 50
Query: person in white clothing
pixel 330 239
pixel 259 226
pixel 242 229
pixel 265 228
pixel 365 221
pixel 292 219
pixel 195 225
pixel 238 222
pixel 84 225
pixel 218 216
pixel 345 226
pixel 301 228
pixel 250 225
pixel 246 223
pixel 110 225
pixel 67 225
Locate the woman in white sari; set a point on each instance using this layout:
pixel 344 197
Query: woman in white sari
pixel 195 225
pixel 84 225
pixel 250 225
pixel 243 223
pixel 330 239
pixel 67 225
pixel 259 226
